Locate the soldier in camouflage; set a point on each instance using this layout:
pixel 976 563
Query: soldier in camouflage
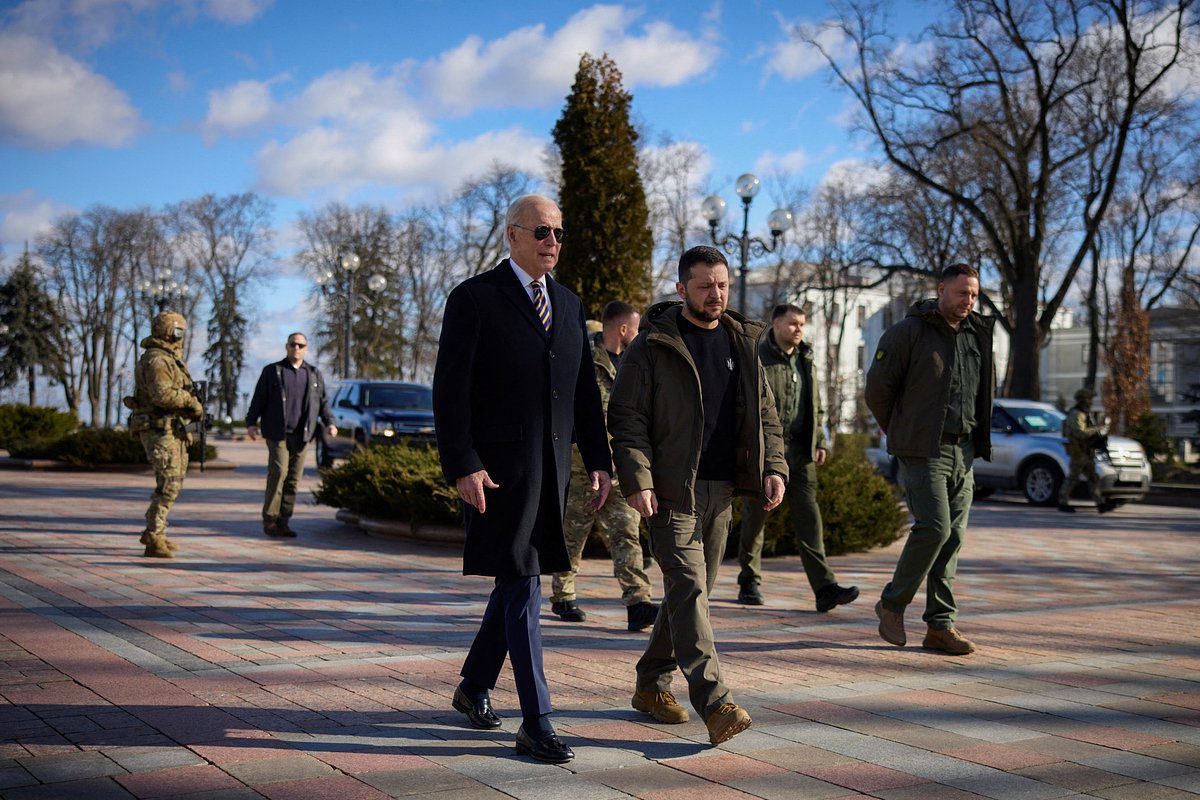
pixel 163 404
pixel 1084 437
pixel 615 523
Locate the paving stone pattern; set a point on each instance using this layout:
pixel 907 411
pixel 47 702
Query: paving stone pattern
pixel 323 666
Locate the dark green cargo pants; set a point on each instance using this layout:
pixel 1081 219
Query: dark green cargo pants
pixel 939 492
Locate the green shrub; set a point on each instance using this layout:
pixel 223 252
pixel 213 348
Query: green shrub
pixel 401 481
pixel 91 447
pixel 20 423
pixel 1150 431
pixel 859 508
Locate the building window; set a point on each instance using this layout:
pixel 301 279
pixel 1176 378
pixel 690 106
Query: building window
pixel 862 316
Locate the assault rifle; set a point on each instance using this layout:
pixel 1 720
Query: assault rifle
pixel 204 424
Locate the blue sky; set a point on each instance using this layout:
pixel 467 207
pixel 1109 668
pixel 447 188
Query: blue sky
pixel 135 103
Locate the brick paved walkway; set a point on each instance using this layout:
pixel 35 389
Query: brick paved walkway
pixel 322 667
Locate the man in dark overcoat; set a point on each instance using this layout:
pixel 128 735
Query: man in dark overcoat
pixel 512 386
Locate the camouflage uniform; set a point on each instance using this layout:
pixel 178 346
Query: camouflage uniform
pixel 1083 437
pixel 163 404
pixel 616 523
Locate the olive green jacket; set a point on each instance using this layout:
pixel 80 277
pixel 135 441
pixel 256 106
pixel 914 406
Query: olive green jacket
pixel 656 413
pixel 908 384
pixel 1081 432
pixel 803 429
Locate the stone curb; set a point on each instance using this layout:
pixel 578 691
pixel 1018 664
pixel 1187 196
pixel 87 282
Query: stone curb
pixel 54 464
pixel 397 529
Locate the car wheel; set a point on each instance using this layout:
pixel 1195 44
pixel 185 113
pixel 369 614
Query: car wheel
pixel 1040 481
pixel 324 459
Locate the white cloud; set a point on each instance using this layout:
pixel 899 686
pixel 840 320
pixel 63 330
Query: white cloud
pixel 48 99
pixel 856 173
pixel 238 108
pixel 24 216
pixel 234 12
pixel 793 59
pixel 795 162
pixel 529 67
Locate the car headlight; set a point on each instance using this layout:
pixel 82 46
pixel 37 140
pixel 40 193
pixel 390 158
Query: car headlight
pixel 382 428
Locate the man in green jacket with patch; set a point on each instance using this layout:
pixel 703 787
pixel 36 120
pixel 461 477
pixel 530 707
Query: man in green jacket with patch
pixel 930 388
pixel 693 423
pixel 787 361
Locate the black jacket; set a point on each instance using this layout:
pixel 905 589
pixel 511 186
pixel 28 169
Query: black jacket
pixel 269 404
pixel 509 397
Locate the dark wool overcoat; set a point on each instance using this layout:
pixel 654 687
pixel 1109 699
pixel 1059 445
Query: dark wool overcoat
pixel 509 397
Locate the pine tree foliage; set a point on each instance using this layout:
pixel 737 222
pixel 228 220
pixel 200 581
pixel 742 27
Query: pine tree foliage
pixel 608 252
pixel 28 318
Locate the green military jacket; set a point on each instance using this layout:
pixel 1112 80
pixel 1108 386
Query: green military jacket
pixel 656 415
pixel 606 373
pixel 162 399
pixel 803 428
pixel 908 385
pixel 1081 432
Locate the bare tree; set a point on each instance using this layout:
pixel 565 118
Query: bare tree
pixel 227 240
pixel 1000 115
pixel 476 215
pixel 674 176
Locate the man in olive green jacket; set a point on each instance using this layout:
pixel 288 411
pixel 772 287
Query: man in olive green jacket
pixel 692 423
pixel 788 364
pixel 930 388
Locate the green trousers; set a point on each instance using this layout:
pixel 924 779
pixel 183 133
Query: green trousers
pixel 285 466
pixel 939 493
pixel 167 453
pixel 806 526
pixel 688 549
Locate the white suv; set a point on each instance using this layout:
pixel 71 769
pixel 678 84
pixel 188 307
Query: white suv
pixel 1029 453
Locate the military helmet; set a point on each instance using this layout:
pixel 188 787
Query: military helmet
pixel 1084 395
pixel 165 325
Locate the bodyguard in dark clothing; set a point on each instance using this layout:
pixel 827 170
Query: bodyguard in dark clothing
pixel 289 399
pixel 513 384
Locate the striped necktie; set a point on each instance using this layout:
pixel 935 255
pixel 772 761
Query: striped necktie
pixel 539 305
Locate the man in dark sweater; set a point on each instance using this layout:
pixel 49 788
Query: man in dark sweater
pixel 288 400
pixel 693 423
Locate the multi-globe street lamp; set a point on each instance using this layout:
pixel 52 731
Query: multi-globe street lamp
pixel 779 221
pixel 163 291
pixel 349 264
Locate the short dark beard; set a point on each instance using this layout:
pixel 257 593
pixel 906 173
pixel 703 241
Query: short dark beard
pixel 700 313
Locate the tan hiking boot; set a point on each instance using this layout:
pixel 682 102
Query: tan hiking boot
pixel 148 538
pixel 726 722
pixel 159 547
pixel 948 640
pixel 661 706
pixel 891 625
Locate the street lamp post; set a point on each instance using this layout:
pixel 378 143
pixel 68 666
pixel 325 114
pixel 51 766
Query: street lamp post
pixel 349 264
pixel 779 221
pixel 163 291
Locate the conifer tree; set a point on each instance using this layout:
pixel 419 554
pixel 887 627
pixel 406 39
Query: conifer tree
pixel 607 255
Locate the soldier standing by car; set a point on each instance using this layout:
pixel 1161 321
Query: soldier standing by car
pixel 1084 437
pixel 288 399
pixel 930 388
pixel 163 404
pixel 616 523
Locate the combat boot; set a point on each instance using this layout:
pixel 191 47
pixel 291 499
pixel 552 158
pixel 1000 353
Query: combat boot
pixel 159 547
pixel 148 538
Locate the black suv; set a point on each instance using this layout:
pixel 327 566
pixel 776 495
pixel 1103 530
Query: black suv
pixel 367 412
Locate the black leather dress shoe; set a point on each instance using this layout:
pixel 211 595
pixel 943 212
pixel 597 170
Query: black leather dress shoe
pixel 549 748
pixel 480 714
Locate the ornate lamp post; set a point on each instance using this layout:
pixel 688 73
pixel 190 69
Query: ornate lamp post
pixel 349 264
pixel 163 291
pixel 779 221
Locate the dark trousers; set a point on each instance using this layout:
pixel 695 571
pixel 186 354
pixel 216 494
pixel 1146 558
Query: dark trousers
pixel 511 626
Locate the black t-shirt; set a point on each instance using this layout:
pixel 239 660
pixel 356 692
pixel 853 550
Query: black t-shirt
pixel 295 387
pixel 712 353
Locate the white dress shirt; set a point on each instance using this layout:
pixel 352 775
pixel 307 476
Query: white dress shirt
pixel 525 278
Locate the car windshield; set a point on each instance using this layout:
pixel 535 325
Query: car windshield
pixel 1037 420
pixel 397 397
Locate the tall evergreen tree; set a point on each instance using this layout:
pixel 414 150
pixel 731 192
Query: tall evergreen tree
pixel 608 254
pixel 27 321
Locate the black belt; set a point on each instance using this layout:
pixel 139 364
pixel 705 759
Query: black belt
pixel 956 438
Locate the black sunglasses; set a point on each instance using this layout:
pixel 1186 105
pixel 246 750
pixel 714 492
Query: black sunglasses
pixel 542 231
pixel 297 344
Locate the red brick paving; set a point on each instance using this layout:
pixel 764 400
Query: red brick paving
pixel 339 651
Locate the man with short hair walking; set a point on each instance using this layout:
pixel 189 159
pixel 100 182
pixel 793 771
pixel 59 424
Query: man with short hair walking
pixel 930 388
